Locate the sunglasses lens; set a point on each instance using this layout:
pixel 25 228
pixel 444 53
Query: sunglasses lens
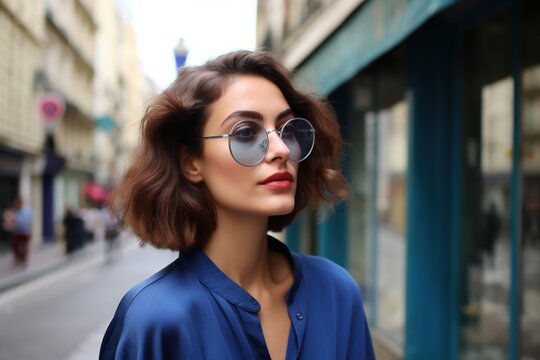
pixel 299 136
pixel 248 143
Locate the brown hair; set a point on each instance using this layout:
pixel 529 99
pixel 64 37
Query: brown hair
pixel 158 202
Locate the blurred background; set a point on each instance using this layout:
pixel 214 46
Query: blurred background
pixel 439 103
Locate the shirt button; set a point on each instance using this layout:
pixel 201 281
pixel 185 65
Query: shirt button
pixel 299 316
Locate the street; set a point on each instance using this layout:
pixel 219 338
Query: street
pixel 64 314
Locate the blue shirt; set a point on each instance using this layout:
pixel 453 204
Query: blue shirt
pixel 23 221
pixel 192 310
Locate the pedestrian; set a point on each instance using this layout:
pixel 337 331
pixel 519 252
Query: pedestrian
pixel 110 224
pixel 19 222
pixel 228 153
pixel 73 230
pixel 88 217
pixel 491 231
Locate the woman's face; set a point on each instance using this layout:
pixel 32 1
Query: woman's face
pixel 268 188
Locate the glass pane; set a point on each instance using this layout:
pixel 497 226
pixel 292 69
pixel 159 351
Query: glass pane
pixel 361 169
pixel 530 216
pixel 377 211
pixel 530 213
pixel 370 215
pixel 391 206
pixel 487 167
pixel 358 257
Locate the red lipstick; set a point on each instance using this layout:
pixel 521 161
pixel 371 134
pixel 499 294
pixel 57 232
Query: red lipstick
pixel 279 180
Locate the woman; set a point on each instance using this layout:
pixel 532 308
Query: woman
pixel 228 153
pixel 19 222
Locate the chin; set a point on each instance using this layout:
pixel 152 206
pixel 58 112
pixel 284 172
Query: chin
pixel 283 209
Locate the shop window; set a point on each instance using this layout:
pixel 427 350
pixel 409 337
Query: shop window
pixel 489 117
pixel 530 168
pixel 9 187
pixel 391 212
pixel 377 210
pixel 487 168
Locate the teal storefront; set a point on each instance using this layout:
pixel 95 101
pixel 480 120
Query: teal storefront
pixel 442 231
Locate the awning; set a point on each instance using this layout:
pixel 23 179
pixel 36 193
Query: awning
pixel 97 193
pixel 374 28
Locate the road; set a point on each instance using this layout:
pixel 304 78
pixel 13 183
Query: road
pixel 64 314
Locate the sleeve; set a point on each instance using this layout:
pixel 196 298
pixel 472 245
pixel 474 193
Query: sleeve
pixel 360 345
pixel 143 331
pixel 116 344
pixel 147 344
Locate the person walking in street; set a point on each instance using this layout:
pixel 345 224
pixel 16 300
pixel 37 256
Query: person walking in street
pixel 73 231
pixel 19 222
pixel 89 216
pixel 112 243
pixel 230 151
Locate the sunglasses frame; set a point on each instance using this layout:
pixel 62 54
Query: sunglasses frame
pixel 230 134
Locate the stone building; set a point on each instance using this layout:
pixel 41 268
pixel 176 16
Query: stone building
pixel 81 54
pixel 68 69
pixel 22 30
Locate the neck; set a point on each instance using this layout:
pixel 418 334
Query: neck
pixel 238 247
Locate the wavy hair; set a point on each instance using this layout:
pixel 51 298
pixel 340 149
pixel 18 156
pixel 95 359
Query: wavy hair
pixel 162 206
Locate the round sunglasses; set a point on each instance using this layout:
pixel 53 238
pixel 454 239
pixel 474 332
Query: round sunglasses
pixel 248 140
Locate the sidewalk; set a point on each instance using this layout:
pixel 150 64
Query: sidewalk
pixel 41 260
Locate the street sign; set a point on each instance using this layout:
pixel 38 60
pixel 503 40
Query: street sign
pixel 51 107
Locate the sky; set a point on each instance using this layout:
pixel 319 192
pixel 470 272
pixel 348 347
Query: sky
pixel 209 28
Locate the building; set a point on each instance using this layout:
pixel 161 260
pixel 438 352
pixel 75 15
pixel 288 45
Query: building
pixel 68 69
pixel 442 229
pixel 81 54
pixel 108 91
pixel 22 30
pixel 121 90
pixel 138 91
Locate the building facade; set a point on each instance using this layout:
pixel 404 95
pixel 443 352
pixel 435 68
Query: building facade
pixel 108 89
pixel 120 91
pixel 82 53
pixel 137 93
pixel 68 68
pixel 442 228
pixel 22 30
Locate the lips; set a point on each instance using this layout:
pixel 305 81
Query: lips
pixel 279 180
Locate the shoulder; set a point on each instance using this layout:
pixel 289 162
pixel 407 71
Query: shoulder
pixel 167 296
pixel 156 305
pixel 173 289
pixel 318 266
pixel 321 272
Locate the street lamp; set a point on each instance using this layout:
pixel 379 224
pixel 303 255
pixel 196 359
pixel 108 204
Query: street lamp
pixel 180 54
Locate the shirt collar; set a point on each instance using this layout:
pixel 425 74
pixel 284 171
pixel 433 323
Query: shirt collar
pixel 216 281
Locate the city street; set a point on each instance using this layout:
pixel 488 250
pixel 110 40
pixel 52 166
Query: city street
pixel 64 314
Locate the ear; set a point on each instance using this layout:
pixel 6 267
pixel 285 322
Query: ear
pixel 190 166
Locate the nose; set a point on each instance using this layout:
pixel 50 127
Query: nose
pixel 277 149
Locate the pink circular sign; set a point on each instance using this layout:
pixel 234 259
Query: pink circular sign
pixel 51 107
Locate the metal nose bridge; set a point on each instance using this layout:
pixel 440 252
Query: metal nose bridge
pixel 276 130
pixel 278 133
pixel 264 144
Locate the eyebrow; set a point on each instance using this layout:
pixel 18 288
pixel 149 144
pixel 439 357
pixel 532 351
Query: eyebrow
pixel 254 115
